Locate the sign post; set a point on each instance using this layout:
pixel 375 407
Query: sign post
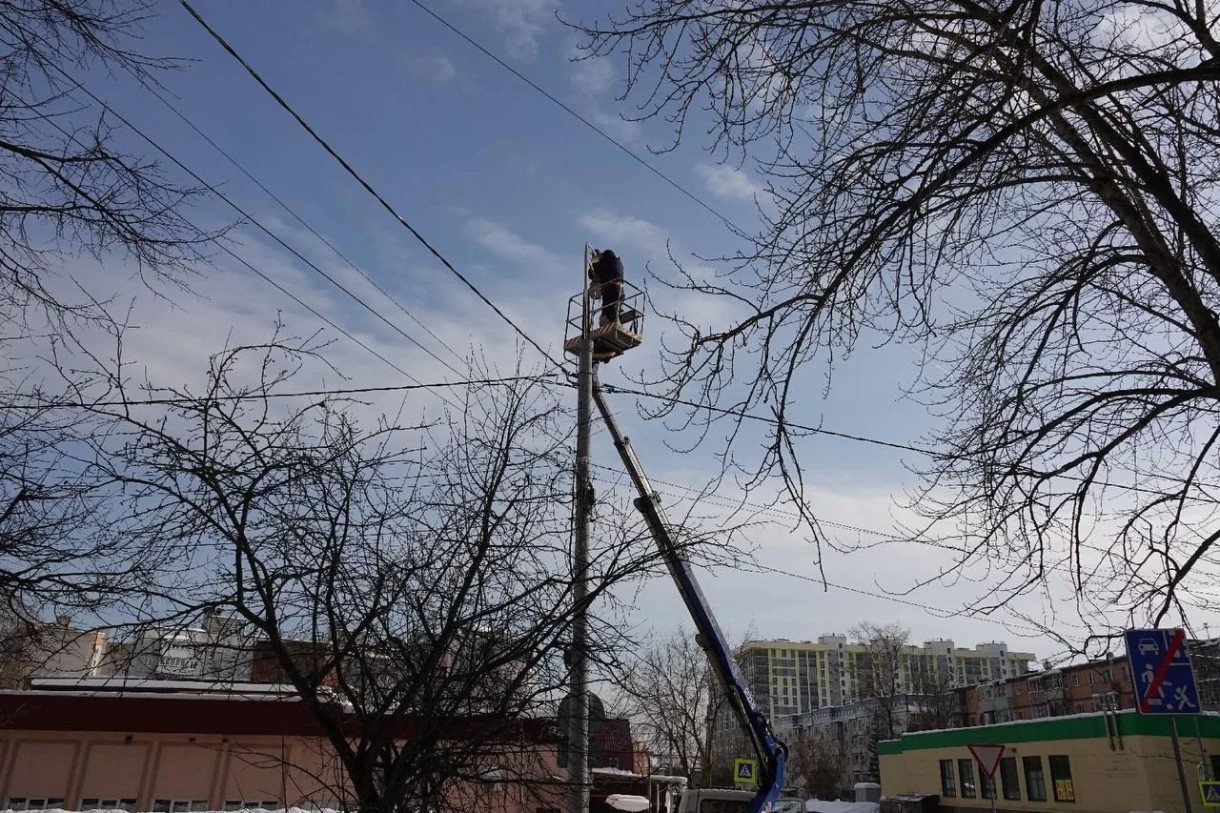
pixel 988 758
pixel 1165 685
pixel 745 772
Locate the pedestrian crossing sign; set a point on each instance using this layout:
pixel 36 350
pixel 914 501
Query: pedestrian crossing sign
pixel 745 771
pixel 1210 791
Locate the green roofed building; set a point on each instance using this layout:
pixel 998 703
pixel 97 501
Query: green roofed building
pixel 1105 762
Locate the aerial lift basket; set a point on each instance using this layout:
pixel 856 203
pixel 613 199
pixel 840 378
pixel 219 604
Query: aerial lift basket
pixel 610 339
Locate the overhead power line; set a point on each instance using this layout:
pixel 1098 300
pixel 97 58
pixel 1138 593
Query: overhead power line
pixel 364 183
pixel 937 612
pixel 151 88
pixel 222 246
pixel 312 309
pixel 816 430
pixel 887 537
pixel 741 413
pixel 259 396
pixel 263 228
pixel 583 120
pixel 175 160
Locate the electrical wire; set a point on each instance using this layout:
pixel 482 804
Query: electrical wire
pixel 562 106
pixel 364 183
pixel 814 430
pixel 294 214
pixel 313 310
pixel 385 204
pixel 226 199
pixel 936 612
pixel 741 413
pixel 700 202
pixel 174 159
pixel 259 396
pixel 234 254
pixel 259 225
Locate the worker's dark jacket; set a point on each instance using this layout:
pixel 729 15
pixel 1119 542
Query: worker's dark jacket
pixel 608 268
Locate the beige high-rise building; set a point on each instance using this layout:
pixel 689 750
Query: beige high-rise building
pixel 791 678
pixel 794 677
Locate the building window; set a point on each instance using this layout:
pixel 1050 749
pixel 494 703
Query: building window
pixel 948 786
pixel 180 805
pixel 1035 781
pixel 1009 782
pixel 965 767
pixel 108 804
pixel 1075 680
pixel 986 785
pixel 24 803
pixel 1061 776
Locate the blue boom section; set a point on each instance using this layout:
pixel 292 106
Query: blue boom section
pixel 771 752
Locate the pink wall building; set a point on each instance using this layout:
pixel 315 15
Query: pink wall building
pixel 193 752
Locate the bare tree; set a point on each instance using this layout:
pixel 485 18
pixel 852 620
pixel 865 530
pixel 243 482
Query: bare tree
pixel 1025 192
pixel 672 699
pixel 411 583
pixel 65 187
pixel 935 701
pixel 818 764
pixel 66 190
pixel 879 670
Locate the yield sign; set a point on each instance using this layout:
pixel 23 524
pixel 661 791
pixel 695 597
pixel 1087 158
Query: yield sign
pixel 988 757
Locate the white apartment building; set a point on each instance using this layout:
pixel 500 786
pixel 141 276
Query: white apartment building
pixel 795 677
pixel 790 678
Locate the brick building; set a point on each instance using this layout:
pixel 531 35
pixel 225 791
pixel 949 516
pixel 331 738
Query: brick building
pixel 1103 685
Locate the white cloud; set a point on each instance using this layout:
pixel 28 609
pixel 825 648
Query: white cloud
pixel 349 16
pixel 507 244
pixel 725 181
pixel 594 78
pixel 634 231
pixel 170 341
pixel 591 75
pixel 520 22
pixel 437 67
pixel 1142 30
pixel 616 126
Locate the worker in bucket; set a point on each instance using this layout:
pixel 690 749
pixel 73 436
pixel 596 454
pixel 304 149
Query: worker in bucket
pixel 606 271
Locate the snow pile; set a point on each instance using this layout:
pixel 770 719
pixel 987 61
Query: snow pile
pixel 818 806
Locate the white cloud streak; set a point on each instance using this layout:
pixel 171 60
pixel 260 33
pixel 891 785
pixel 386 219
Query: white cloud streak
pixel 728 182
pixel 521 23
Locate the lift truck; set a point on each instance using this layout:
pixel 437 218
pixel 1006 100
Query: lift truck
pixel 609 342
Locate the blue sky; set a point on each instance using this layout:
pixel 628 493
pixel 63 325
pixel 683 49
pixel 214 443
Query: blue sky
pixel 508 187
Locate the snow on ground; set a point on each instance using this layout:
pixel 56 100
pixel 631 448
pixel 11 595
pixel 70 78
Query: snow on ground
pixel 818 806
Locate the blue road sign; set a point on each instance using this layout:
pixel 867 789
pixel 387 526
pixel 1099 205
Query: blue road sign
pixel 744 771
pixel 1163 680
pixel 1210 791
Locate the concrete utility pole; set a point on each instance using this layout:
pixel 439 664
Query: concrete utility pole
pixel 578 755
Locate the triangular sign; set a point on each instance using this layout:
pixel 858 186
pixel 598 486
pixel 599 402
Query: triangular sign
pixel 988 757
pixel 1212 794
pixel 745 770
